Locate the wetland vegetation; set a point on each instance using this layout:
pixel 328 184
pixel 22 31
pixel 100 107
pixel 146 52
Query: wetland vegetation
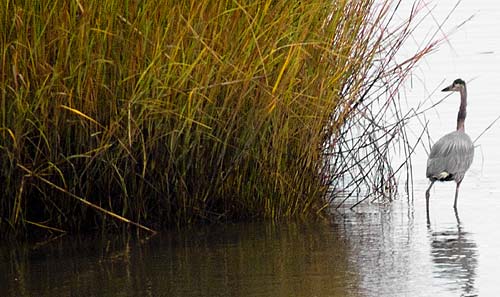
pixel 119 113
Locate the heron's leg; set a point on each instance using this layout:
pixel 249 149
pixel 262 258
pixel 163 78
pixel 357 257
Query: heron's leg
pixel 427 195
pixel 456 194
pixel 457 217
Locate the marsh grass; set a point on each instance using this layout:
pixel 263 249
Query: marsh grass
pixel 174 112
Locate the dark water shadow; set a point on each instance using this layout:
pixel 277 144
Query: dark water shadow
pixel 249 259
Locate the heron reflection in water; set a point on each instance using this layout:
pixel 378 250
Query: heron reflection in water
pixel 455 257
pixel 452 155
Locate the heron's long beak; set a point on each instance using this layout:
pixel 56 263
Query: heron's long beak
pixel 447 89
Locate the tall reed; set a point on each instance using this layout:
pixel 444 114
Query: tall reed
pixel 174 112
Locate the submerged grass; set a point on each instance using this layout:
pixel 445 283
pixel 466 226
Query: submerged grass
pixel 174 112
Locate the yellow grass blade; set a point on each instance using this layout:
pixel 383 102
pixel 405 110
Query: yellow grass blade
pixel 86 202
pixel 81 114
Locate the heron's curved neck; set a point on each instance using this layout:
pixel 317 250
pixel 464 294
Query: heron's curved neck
pixel 462 112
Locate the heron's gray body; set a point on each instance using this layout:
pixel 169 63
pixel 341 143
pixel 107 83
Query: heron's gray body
pixel 450 157
pixel 453 153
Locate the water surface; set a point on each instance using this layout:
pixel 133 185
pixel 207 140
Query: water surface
pixel 375 251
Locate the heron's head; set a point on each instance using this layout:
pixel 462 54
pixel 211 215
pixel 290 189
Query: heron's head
pixel 457 85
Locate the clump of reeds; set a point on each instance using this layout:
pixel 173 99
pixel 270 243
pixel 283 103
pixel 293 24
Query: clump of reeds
pixel 173 112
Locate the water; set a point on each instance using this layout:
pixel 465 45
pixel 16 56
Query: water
pixel 387 251
pixel 375 250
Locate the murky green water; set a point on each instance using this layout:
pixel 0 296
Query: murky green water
pixel 374 251
pixel 241 260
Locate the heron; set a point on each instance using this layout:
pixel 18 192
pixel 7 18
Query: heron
pixel 452 155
